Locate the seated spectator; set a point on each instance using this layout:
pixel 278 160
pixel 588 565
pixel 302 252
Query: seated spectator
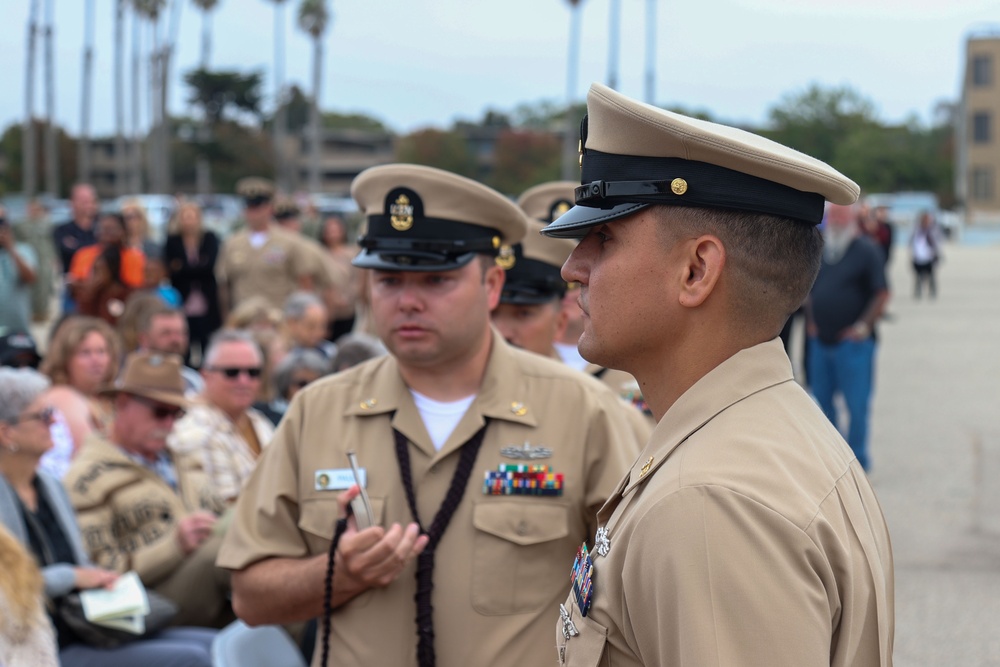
pixel 352 349
pixel 82 357
pixel 26 634
pixel 296 370
pixel 35 508
pixel 164 330
pixel 305 323
pixel 104 292
pixel 223 433
pixel 110 233
pixel 139 508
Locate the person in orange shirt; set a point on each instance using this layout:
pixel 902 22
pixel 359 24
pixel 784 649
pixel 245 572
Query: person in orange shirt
pixel 110 232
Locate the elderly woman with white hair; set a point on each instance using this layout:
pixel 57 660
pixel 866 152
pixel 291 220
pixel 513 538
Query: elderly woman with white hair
pixel 35 509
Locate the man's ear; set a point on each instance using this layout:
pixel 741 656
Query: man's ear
pixel 494 278
pixel 705 258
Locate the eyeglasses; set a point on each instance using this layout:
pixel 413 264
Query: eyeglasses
pixel 159 410
pixel 232 372
pixel 46 415
pixel 298 384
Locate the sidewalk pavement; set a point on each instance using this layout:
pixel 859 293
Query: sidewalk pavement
pixel 935 448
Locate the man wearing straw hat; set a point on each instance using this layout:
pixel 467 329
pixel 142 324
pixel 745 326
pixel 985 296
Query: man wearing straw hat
pixel 141 510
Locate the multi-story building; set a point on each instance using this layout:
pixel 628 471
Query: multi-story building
pixel 977 173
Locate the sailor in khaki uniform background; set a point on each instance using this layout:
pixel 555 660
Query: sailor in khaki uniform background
pixel 530 314
pixel 543 204
pixel 746 533
pixel 502 456
pixel 261 259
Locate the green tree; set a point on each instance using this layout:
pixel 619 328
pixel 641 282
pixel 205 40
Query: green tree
pixel 221 92
pixel 816 120
pixel 437 148
pixel 12 147
pixel 525 158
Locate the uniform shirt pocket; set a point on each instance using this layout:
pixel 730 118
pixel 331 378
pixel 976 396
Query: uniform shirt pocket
pixel 318 518
pixel 519 556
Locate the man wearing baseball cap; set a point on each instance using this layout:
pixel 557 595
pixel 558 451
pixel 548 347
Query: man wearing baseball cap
pixel 746 533
pixel 483 464
pixel 139 508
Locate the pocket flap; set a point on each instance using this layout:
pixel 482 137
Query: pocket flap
pixel 319 515
pixel 522 523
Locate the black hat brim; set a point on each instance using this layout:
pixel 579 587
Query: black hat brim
pixel 574 223
pixel 405 261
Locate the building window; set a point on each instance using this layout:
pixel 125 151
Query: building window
pixel 981 127
pixel 982 71
pixel 982 184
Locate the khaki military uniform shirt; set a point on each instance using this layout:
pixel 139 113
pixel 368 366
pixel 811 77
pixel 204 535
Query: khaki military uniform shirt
pixel 501 564
pixel 745 534
pixel 272 270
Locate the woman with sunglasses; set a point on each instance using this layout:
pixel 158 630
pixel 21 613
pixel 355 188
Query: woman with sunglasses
pixel 34 507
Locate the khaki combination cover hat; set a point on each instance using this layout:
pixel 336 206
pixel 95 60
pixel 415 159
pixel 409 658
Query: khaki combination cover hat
pixel 534 272
pixel 255 190
pixel 425 219
pixel 634 155
pixel 153 376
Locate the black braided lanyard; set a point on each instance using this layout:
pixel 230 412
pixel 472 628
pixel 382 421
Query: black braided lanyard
pixel 425 561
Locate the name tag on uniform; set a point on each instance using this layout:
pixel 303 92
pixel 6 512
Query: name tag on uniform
pixel 338 479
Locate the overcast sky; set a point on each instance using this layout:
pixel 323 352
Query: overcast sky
pixel 416 63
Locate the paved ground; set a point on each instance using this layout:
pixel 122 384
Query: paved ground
pixel 936 458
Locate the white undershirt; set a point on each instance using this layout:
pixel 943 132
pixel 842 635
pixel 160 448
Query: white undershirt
pixel 258 239
pixel 441 418
pixel 571 356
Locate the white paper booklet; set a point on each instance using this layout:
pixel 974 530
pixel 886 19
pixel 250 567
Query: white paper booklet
pixel 122 607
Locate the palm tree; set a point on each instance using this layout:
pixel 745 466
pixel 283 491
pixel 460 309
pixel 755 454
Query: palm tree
pixel 87 85
pixel 313 19
pixel 151 10
pixel 570 136
pixel 51 147
pixel 135 154
pixel 203 169
pixel 280 119
pixel 120 170
pixel 29 167
pixel 206 7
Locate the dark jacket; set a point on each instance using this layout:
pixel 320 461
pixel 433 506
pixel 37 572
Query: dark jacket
pixel 185 275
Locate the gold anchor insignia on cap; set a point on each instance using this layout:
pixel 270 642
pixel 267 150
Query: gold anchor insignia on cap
pixel 506 260
pixel 401 214
pixel 678 186
pixel 561 208
pixel 646 466
pixel 517 408
pixel 368 404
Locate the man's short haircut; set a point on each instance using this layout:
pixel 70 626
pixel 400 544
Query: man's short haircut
pixel 298 303
pixel 771 261
pixel 146 316
pixel 223 336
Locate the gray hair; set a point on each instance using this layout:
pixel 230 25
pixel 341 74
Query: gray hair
pixel 223 336
pixel 18 388
pixel 352 349
pixel 299 359
pixel 298 303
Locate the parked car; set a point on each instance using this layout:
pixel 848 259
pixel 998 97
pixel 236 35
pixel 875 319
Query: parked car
pixel 219 213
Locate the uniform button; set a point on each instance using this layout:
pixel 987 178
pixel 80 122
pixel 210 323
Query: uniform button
pixel 522 528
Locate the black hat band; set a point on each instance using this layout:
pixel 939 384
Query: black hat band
pixel 532 281
pixel 449 236
pixel 609 180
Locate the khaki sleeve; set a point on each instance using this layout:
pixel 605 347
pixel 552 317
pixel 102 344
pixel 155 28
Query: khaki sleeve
pixel 266 515
pixel 222 265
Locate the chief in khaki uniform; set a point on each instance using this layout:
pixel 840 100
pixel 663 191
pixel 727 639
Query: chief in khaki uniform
pixel 262 258
pixel 432 424
pixel 746 533
pixel 533 317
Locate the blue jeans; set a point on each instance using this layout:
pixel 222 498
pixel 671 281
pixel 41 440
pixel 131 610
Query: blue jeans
pixel 848 368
